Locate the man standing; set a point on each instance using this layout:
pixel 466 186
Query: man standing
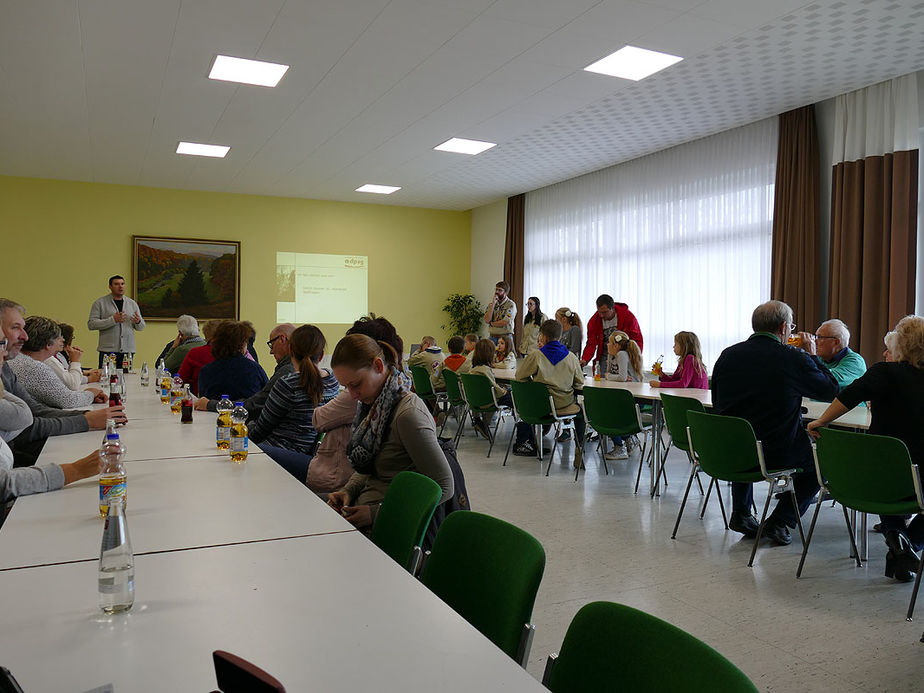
pixel 609 318
pixel 501 313
pixel 116 317
pixel 830 344
pixel 763 380
pixel 280 349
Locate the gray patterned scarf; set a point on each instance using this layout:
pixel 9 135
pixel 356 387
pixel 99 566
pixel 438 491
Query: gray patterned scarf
pixel 373 422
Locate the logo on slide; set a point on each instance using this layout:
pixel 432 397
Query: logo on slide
pixel 354 262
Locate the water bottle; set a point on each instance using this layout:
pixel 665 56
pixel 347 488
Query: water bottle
pixel 186 406
pixel 239 433
pixel 112 470
pixel 223 429
pixel 104 377
pixel 116 562
pixel 145 374
pixel 158 374
pixel 176 395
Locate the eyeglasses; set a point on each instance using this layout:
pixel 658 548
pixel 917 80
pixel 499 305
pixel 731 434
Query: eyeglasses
pixel 792 327
pixel 823 336
pixel 3 343
pixel 270 342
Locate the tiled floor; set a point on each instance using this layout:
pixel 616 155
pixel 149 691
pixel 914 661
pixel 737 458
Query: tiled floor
pixel 838 628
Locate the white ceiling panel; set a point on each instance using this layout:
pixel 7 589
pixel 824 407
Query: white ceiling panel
pixel 103 90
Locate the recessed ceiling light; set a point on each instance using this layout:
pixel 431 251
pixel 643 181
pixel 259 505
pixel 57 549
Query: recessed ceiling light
pixel 217 151
pixel 262 74
pixel 461 146
pixel 379 189
pixel 633 63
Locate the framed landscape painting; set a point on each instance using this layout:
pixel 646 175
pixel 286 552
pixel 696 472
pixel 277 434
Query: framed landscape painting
pixel 174 276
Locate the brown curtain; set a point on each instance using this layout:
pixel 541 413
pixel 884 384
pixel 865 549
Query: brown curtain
pixel 513 256
pixel 873 246
pixel 795 265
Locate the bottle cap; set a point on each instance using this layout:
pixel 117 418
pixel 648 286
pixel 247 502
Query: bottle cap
pixel 225 397
pixel 238 404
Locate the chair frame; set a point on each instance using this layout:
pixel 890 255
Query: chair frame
pixel 502 410
pixel 779 481
pixel 453 409
pixel 823 491
pixel 601 446
pixel 558 420
pixel 436 397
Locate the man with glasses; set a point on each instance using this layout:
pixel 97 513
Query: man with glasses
pixel 829 343
pixel 279 349
pixel 763 380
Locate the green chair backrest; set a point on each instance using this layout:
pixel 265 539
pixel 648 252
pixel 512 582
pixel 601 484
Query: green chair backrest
pixel 869 473
pixel 488 571
pixel 405 514
pixel 611 411
pixel 422 385
pixel 532 402
pixel 675 410
pixel 454 392
pixel 478 391
pixel 725 446
pixel 612 647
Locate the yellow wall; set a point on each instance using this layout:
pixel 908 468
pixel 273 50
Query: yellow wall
pixel 62 240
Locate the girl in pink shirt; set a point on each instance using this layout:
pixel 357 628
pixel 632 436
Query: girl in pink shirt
pixel 691 373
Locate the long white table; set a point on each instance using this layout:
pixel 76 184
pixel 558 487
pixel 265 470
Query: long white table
pixel 321 613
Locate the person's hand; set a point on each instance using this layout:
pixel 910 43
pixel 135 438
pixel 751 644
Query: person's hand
pixel 583 363
pixel 119 316
pixel 813 427
pixel 136 318
pixel 357 515
pixel 74 353
pixel 808 342
pixel 93 376
pixel 654 383
pixel 97 417
pixel 338 499
pixel 98 396
pixel 202 404
pixel 177 341
pixel 82 468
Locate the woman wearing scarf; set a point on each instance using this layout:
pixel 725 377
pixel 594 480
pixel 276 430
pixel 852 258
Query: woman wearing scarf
pixel 392 432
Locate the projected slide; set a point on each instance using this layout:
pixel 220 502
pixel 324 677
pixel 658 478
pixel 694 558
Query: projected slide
pixel 317 288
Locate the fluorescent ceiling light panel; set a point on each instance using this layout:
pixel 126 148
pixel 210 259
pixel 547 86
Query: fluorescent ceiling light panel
pixel 379 189
pixel 262 74
pixel 217 151
pixel 630 62
pixel 461 146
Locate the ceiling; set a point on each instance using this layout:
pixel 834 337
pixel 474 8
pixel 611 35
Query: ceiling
pixel 102 90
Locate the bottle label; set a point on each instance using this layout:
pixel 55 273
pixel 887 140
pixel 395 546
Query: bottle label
pixel 109 490
pixel 238 444
pixel 223 433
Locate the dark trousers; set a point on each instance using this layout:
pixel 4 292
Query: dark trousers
pixel 914 530
pixel 804 483
pixel 120 355
pixel 525 431
pixel 296 463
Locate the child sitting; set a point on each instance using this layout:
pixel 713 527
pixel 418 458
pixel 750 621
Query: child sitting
pixel 690 372
pixel 453 362
pixel 482 358
pixel 623 365
pixel 505 355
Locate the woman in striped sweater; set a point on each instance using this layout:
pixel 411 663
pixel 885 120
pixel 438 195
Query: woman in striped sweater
pixel 284 430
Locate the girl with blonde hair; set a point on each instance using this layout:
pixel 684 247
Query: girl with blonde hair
pixel 690 372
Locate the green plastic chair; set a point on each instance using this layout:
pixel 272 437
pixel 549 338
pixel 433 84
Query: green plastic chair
pixel 456 403
pixel 611 647
pixel 420 376
pixel 726 448
pixel 404 516
pixel 674 409
pixel 614 412
pixel 488 571
pixel 869 474
pixel 481 399
pixel 533 404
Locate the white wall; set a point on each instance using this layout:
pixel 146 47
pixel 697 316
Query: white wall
pixel 489 232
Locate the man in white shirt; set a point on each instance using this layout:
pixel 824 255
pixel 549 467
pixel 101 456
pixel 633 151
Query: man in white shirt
pixel 116 317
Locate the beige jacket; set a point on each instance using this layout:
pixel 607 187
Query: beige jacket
pixel 330 468
pixel 489 374
pixel 562 379
pixel 429 359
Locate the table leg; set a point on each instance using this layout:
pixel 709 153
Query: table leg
pixel 657 460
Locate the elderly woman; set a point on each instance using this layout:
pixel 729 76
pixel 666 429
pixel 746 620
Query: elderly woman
pixel 66 363
pixel 187 338
pixel 231 373
pixel 37 377
pixel 199 356
pixel 894 389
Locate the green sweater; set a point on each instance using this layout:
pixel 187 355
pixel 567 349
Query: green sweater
pixel 847 368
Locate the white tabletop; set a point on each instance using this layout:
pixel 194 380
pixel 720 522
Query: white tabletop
pixel 322 613
pixel 172 505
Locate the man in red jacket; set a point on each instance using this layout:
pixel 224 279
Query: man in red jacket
pixel 610 316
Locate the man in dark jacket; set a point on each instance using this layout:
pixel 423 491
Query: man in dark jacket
pixel 610 316
pixel 763 380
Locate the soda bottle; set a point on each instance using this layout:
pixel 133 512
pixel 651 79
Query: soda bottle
pixel 598 370
pixel 223 425
pixel 656 367
pixel 115 396
pixel 239 433
pixel 127 363
pixel 166 383
pixel 145 374
pixel 186 406
pixel 176 394
pixel 112 470
pixel 116 562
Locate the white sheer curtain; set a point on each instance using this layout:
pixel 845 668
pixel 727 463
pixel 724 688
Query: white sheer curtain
pixel 681 236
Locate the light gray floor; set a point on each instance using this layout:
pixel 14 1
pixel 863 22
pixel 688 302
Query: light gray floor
pixel 838 628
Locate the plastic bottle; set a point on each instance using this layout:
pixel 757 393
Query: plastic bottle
pixel 112 480
pixel 176 394
pixel 223 425
pixel 598 370
pixel 158 375
pixel 656 368
pixel 186 406
pixel 104 377
pixel 239 433
pixel 115 394
pixel 116 562
pixel 145 376
pixel 166 383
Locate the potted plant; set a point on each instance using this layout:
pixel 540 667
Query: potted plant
pixel 465 314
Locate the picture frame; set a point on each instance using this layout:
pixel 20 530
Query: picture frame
pixel 194 276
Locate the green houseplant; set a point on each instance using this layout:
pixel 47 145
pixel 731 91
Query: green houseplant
pixel 465 314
